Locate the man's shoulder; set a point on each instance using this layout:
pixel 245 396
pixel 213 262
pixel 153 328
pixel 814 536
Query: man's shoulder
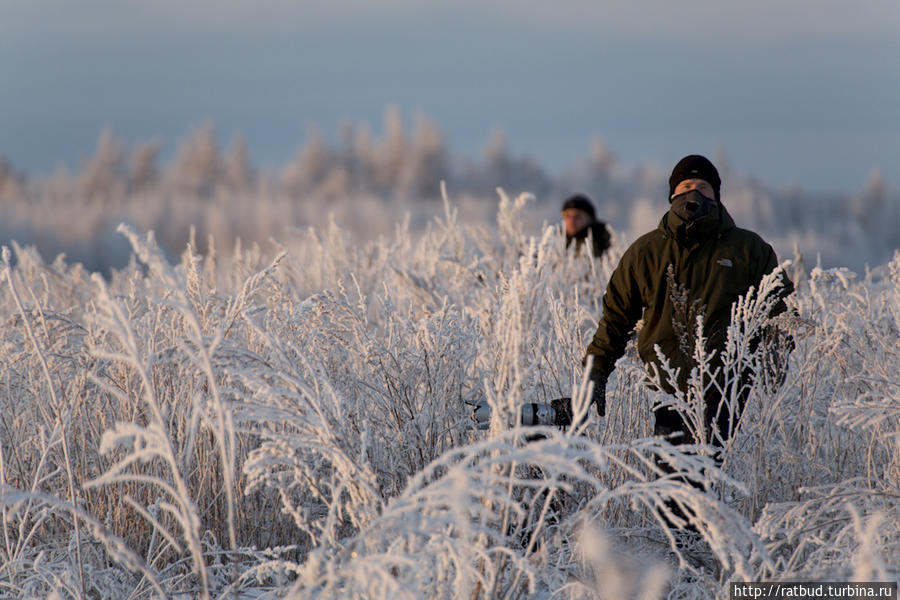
pixel 746 237
pixel 648 241
pixel 644 250
pixel 598 229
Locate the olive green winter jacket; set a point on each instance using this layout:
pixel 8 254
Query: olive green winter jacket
pixel 712 262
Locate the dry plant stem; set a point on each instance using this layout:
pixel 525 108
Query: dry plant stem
pixel 342 376
pixel 180 493
pixel 61 423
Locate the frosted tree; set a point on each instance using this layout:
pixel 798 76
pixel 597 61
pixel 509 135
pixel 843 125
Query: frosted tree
pixel 198 164
pixel 102 175
pixel 310 167
pixel 389 155
pixel 11 183
pixel 357 143
pixel 142 169
pixel 236 166
pixel 511 172
pixel 597 175
pixel 427 165
pixel 601 162
pixel 496 157
pixel 869 206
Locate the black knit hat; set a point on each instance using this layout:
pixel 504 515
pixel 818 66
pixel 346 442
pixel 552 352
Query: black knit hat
pixel 581 202
pixel 694 166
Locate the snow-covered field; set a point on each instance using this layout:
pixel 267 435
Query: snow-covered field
pixel 293 422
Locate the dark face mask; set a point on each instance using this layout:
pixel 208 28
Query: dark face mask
pixel 692 205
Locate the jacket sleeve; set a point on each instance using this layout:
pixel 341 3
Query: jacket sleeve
pixel 622 307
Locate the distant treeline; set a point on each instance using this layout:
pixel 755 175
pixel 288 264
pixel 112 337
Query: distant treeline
pixel 367 183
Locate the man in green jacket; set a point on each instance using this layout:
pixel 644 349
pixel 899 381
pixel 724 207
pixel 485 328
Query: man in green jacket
pixel 696 262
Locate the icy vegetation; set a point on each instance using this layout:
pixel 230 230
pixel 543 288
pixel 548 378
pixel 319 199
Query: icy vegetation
pixel 293 422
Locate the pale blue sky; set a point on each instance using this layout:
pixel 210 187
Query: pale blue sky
pixel 796 92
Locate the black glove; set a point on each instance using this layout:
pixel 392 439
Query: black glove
pixel 598 397
pixel 562 411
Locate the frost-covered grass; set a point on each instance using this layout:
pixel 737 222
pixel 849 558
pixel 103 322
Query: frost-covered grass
pixel 294 424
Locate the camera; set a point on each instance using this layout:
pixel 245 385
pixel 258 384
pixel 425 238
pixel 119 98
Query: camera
pixel 558 413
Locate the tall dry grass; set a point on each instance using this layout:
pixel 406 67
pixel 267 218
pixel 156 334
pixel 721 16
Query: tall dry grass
pixel 294 423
